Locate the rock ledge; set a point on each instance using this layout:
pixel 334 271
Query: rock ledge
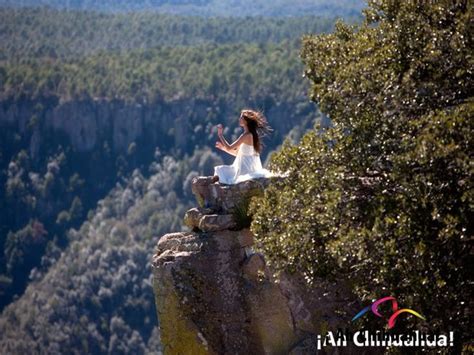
pixel 214 295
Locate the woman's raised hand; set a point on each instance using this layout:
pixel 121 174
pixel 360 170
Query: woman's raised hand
pixel 219 145
pixel 220 129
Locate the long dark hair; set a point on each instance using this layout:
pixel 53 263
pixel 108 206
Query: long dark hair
pixel 257 125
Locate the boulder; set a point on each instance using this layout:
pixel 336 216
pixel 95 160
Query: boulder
pixel 194 215
pixel 216 222
pixel 225 199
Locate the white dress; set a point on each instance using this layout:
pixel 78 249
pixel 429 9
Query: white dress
pixel 247 165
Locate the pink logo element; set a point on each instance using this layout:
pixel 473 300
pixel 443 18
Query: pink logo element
pixel 391 322
pixel 375 305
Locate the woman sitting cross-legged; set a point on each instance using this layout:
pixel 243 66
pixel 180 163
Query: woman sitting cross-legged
pixel 246 149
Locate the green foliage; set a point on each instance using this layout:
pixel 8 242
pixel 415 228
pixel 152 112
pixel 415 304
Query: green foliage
pixel 96 295
pixel 20 248
pixel 76 209
pixel 384 197
pixel 63 218
pixel 48 33
pixel 293 220
pixel 103 64
pixel 241 215
pixel 247 73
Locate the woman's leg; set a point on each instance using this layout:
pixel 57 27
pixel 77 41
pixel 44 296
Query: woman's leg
pixel 224 173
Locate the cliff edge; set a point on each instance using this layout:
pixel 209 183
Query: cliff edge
pixel 216 295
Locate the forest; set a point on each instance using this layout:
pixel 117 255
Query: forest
pixel 57 34
pixel 107 116
pixel 106 110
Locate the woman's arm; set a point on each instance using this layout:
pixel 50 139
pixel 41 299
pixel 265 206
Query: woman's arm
pixel 222 138
pixel 234 146
pixel 222 143
pixel 229 148
pixel 220 134
pixel 225 146
pixel 222 147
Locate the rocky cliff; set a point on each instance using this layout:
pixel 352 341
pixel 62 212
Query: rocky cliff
pixel 216 295
pixel 87 123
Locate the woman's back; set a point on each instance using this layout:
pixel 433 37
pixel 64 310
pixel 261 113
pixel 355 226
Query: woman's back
pixel 247 149
pixel 247 160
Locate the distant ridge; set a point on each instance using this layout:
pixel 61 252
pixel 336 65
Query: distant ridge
pixel 208 8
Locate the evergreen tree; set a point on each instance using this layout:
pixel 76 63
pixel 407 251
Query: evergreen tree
pixel 384 197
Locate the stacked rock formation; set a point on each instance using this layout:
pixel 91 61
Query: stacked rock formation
pixel 213 296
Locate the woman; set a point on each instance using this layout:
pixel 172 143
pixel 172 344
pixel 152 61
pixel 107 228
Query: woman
pixel 246 149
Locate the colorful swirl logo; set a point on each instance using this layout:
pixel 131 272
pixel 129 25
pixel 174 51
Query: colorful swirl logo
pixel 391 322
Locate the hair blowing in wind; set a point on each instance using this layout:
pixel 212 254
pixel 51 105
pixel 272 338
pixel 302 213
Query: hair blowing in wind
pixel 257 125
